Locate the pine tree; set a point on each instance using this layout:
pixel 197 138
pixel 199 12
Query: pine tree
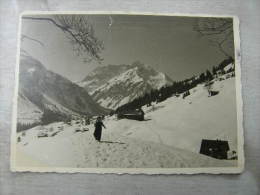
pixel 208 75
pixel 214 70
pixel 202 77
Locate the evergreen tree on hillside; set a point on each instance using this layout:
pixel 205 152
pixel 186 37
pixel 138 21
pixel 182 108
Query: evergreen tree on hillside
pixel 208 75
pixel 202 77
pixel 214 70
pixel 224 63
pixel 50 116
pixel 177 87
pixel 25 126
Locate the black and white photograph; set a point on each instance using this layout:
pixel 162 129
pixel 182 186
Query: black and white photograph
pixel 127 93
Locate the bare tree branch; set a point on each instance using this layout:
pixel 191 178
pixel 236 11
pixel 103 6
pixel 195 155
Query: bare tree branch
pixel 32 39
pixel 218 30
pixel 80 33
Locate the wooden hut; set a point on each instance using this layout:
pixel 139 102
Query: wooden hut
pixel 137 114
pixel 215 148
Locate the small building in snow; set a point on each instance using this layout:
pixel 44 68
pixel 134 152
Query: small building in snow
pixel 137 114
pixel 215 148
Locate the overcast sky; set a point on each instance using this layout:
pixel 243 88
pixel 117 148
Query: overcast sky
pixel 168 44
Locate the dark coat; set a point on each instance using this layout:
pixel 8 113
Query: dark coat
pixel 98 130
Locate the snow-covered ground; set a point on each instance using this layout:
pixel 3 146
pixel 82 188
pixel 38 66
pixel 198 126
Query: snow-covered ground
pixel 183 123
pixel 169 137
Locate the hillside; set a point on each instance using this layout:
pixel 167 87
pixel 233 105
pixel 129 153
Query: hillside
pixel 183 123
pixel 41 89
pixel 169 137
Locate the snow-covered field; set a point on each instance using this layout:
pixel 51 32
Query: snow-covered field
pixel 169 137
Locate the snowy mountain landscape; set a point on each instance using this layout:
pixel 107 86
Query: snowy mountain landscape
pixel 114 85
pixel 145 92
pixel 170 135
pixel 42 90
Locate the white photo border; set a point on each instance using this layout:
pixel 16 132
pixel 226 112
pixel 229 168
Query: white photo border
pixel 212 170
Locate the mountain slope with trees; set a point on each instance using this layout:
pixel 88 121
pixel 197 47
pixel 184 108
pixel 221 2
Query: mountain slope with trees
pixel 178 87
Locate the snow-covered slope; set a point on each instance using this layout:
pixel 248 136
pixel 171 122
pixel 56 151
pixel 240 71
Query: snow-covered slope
pixel 100 75
pixel 41 89
pixel 183 123
pixel 69 148
pixel 229 67
pixel 169 137
pixel 112 86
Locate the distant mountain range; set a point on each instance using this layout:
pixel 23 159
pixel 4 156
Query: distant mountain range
pixel 114 85
pixel 41 89
pixel 105 88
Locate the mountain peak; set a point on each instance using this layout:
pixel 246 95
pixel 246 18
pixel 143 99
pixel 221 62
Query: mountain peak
pixel 115 85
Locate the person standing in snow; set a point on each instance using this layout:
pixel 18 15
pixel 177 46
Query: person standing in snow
pixel 98 129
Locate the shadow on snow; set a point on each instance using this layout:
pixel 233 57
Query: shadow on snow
pixel 110 142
